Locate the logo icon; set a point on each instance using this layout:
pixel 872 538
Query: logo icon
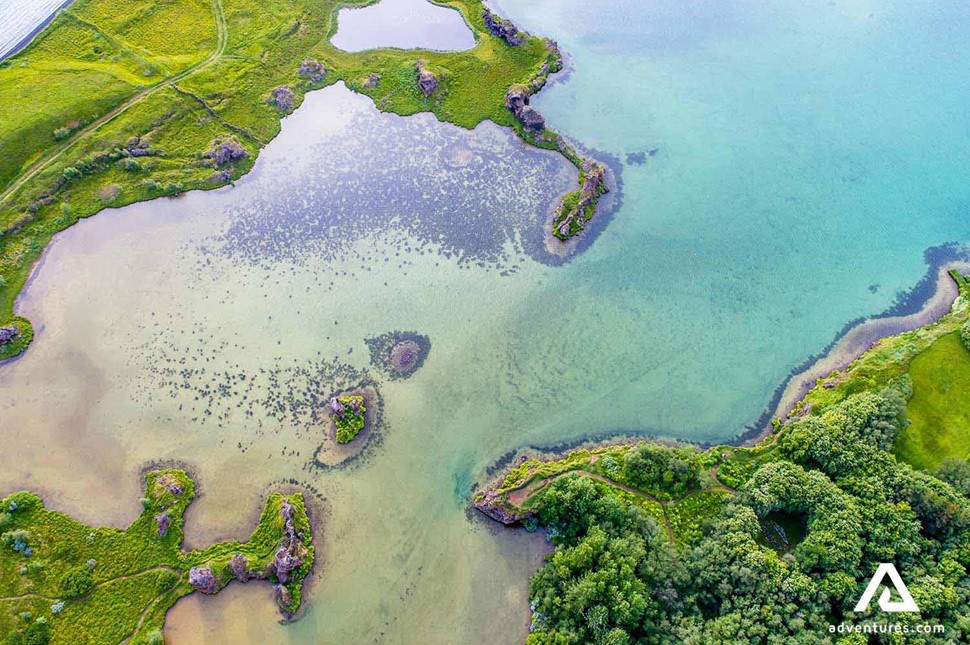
pixel 906 604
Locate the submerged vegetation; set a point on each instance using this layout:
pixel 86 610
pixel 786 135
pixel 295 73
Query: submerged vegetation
pixel 774 543
pixel 64 582
pixel 116 103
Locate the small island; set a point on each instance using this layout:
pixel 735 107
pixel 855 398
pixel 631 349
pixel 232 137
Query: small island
pixel 353 420
pixel 347 413
pixel 64 582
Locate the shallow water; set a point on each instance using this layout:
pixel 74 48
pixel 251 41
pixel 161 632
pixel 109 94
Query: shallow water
pixel 406 24
pixel 803 158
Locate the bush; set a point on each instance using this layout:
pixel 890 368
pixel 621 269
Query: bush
pixel 72 173
pixel 76 582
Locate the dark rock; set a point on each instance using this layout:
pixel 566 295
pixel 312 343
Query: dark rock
pixel 517 100
pixel 202 579
pixel 594 185
pixel 505 29
pixel 311 68
pixel 227 150
pixel 284 563
pixel 283 598
pixel 531 119
pixel 7 334
pixel 282 97
pixel 638 158
pixel 490 504
pixel 239 566
pixel 164 522
pixel 336 407
pixel 372 80
pixel 427 81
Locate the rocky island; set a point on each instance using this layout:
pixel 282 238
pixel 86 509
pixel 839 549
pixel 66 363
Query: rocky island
pixel 65 582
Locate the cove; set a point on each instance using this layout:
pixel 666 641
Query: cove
pixel 404 24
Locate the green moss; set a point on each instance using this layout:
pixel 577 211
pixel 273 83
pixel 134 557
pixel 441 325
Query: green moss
pixel 350 423
pixel 105 585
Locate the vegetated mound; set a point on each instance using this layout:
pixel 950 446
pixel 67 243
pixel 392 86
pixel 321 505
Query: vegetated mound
pixel 356 427
pixel 398 354
pixel 64 582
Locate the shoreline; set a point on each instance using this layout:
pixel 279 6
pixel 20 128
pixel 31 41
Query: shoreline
pixel 855 339
pixel 22 44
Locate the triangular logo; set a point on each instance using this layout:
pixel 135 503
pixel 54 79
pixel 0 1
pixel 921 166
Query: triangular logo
pixel 906 604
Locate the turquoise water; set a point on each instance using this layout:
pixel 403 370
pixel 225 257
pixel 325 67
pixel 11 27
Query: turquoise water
pixel 805 156
pixel 797 161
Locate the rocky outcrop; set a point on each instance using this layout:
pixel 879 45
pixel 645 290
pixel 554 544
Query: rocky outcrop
pixel 312 69
pixel 372 80
pixel 593 186
pixel 427 81
pixel 7 334
pixel 283 597
pixel 203 579
pixel 491 504
pixel 171 484
pixel 517 100
pixel 239 566
pixel 289 555
pixel 227 150
pixel 282 97
pixel 503 28
pixel 336 407
pixel 164 522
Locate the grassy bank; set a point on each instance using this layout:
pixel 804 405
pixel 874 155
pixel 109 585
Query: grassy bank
pixel 64 582
pixel 116 103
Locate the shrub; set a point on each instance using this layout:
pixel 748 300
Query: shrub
pixel 72 173
pixel 76 582
pixel 61 133
pixel 965 334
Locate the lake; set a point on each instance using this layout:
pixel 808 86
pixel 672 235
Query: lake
pixel 784 168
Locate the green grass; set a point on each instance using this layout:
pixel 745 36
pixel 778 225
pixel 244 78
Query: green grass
pixel 940 406
pixel 179 73
pixel 889 358
pixel 103 585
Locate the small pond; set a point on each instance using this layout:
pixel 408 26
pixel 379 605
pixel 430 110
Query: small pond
pixel 407 24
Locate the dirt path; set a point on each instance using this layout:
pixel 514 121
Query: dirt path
pixel 44 162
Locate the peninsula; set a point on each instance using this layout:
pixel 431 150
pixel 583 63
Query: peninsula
pixel 149 100
pixel 64 582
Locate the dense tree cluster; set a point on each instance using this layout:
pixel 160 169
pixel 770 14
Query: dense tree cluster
pixel 650 466
pixel 614 578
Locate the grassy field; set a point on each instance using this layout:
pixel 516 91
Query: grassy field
pixel 64 582
pixel 118 102
pixel 939 410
